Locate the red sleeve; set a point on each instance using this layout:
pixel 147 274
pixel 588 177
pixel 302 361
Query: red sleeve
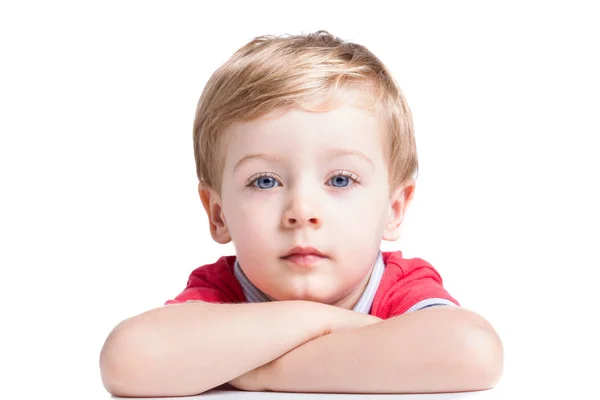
pixel 408 285
pixel 213 283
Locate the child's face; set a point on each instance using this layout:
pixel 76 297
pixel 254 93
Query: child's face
pixel 288 181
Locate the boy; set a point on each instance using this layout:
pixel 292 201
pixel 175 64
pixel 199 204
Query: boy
pixel 305 154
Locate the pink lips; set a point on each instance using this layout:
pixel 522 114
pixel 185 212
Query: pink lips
pixel 304 256
pixel 304 259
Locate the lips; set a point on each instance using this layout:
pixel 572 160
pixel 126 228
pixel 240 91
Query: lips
pixel 304 251
pixel 304 256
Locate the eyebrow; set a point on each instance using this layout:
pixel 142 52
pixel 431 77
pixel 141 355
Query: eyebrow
pixel 333 153
pixel 256 156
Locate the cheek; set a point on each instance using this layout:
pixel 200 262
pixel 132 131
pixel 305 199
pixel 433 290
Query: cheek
pixel 253 237
pixel 361 221
pixel 252 219
pixel 367 207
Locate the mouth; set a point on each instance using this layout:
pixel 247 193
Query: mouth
pixel 304 256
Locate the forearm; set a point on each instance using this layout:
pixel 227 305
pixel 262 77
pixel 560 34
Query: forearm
pixel 185 349
pixel 435 350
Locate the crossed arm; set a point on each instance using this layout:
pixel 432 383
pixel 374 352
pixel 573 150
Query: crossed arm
pixel 439 349
pixel 186 349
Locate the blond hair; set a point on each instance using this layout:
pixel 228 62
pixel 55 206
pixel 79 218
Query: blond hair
pixel 278 72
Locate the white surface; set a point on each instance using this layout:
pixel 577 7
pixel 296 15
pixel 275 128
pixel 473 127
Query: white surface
pixel 224 394
pixel 100 219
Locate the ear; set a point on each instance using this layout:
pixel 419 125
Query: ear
pixel 216 220
pixel 399 201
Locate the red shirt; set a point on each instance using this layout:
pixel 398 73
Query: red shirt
pixel 406 283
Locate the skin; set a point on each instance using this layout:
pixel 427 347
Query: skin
pixel 322 176
pixel 299 345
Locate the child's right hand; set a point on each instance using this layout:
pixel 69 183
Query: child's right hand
pixel 344 319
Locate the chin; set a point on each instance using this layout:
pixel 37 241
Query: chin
pixel 314 297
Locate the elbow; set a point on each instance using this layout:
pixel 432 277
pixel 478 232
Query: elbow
pixel 485 356
pixel 113 359
pixel 137 361
pixel 122 363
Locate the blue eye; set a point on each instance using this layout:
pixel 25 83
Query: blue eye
pixel 340 181
pixel 344 180
pixel 264 182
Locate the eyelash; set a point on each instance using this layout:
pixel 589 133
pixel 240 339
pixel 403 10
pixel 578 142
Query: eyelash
pixel 353 177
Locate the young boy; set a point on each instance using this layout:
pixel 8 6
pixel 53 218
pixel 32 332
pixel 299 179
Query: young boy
pixel 305 154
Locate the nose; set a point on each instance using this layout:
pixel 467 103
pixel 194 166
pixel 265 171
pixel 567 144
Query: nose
pixel 301 213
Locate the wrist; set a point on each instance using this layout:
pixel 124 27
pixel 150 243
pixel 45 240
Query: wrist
pixel 323 318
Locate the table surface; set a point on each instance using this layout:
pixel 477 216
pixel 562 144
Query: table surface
pixel 237 394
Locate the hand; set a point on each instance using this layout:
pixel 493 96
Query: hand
pixel 343 319
pixel 340 319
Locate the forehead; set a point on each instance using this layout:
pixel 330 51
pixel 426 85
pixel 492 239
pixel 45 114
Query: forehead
pixel 297 132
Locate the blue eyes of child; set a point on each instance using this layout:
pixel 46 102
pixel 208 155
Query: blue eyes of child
pixel 265 182
pixel 268 181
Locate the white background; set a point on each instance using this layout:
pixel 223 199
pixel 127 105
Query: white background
pixel 100 218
